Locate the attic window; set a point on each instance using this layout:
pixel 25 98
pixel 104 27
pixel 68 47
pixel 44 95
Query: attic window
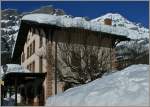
pixel 108 21
pixel 34 30
pixel 41 41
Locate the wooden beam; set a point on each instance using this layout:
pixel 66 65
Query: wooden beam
pixel 10 89
pixel 15 92
pixel 2 94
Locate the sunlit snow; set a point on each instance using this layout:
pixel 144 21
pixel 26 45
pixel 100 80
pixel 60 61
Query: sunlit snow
pixel 123 88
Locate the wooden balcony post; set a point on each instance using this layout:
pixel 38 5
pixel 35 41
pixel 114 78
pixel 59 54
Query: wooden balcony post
pixel 15 92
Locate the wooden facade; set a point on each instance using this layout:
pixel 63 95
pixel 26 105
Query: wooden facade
pixel 54 38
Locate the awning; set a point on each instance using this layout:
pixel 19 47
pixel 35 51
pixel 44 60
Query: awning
pixel 10 78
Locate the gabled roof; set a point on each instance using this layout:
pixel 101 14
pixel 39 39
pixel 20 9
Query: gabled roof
pixel 77 22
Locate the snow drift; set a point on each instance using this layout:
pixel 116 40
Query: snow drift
pixel 126 87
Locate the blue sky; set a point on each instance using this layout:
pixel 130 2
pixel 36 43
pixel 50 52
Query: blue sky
pixel 136 11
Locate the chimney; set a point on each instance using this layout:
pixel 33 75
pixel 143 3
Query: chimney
pixel 108 21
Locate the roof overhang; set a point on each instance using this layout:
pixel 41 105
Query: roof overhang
pixel 10 78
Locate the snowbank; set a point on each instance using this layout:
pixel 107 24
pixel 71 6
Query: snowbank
pixel 127 87
pixel 11 101
pixel 78 22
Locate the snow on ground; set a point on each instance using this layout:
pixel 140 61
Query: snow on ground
pixel 10 101
pixel 126 87
pixel 18 97
pixel 78 22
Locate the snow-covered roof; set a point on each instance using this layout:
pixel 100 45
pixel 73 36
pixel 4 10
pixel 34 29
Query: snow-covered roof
pixel 128 87
pixel 77 22
pixel 14 68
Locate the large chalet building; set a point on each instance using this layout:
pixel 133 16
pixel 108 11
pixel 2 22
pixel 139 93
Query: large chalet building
pixel 38 44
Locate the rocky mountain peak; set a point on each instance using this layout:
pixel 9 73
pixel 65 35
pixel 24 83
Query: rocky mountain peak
pixel 49 10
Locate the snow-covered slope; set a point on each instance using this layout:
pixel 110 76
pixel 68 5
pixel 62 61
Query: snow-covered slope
pixel 136 31
pixel 127 87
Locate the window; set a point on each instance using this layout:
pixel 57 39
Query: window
pixel 23 57
pixel 41 41
pixel 33 31
pixel 41 64
pixel 30 50
pixel 36 31
pixel 28 67
pixel 33 66
pixel 33 47
pixel 46 41
pixel 27 52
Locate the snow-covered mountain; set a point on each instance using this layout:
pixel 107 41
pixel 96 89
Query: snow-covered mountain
pixel 136 30
pixel 10 22
pixel 139 35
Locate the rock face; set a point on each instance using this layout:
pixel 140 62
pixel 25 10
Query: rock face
pixel 10 20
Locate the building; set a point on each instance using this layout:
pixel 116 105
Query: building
pixel 38 47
